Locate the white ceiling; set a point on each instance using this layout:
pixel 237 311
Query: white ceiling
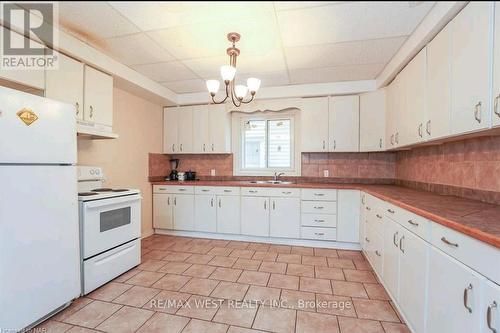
pixel 181 44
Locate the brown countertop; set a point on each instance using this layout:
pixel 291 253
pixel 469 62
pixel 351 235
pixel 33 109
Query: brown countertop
pixel 476 219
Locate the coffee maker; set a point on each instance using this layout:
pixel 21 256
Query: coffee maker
pixel 174 164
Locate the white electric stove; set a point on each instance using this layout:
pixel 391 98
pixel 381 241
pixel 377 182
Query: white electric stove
pixel 110 229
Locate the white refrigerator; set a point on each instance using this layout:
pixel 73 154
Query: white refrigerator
pixel 39 231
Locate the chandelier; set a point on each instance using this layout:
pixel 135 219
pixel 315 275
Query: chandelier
pixel 228 72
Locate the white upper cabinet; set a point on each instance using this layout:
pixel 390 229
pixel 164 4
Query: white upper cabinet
pixel 66 83
pixel 396 100
pixel 496 69
pixel 170 128
pixel 471 56
pixel 344 123
pixel 219 123
pixel 201 137
pixel 185 130
pixel 372 108
pixel 438 92
pixel 390 115
pixel 415 109
pixel 98 97
pixel 314 124
pixel 31 78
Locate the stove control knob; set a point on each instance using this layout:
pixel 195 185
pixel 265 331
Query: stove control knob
pixel 92 171
pixel 97 171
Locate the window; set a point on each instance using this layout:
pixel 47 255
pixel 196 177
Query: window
pixel 267 144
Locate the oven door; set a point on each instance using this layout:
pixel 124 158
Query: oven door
pixel 107 223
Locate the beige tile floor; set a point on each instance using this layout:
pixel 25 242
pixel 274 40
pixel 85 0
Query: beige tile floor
pixel 204 285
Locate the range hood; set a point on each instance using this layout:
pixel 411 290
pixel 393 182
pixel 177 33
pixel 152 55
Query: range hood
pixel 94 131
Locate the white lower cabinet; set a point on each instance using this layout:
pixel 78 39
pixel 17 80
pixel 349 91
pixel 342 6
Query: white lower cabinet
pixel 348 216
pixel 454 296
pixel 284 218
pixel 183 211
pixel 228 214
pixel 490 307
pixel 163 211
pixel 392 235
pixel 255 216
pixel 205 213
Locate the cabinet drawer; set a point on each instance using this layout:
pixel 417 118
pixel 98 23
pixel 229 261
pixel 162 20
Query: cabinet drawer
pixel 318 194
pixel 173 189
pixel 255 191
pixel 415 223
pixel 478 255
pixel 319 233
pixel 319 220
pixel 319 207
pixel 218 190
pixel 270 192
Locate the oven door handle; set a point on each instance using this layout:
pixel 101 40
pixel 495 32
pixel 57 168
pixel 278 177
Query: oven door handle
pixel 112 201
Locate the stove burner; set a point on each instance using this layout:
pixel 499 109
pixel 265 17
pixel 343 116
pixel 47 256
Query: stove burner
pixel 103 190
pixel 120 190
pixel 86 194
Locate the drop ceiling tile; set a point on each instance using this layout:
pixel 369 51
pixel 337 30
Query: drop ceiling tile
pixel 347 53
pixel 150 15
pixel 93 20
pixel 186 86
pixel 268 79
pixel 350 21
pixel 135 49
pixel 335 74
pixel 291 5
pixel 259 36
pixel 165 71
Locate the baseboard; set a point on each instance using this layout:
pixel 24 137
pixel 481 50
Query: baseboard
pixel 271 240
pixel 148 233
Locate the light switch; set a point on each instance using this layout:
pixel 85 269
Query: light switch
pixel 212 172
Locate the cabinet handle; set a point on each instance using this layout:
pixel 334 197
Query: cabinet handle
pixel 391 211
pixel 175 201
pixel 91 111
pixel 396 138
pixel 213 149
pixel 392 139
pixel 274 205
pixel 495 108
pixel 415 224
pixel 173 146
pixel 318 207
pixel 401 244
pixel 168 201
pixel 444 240
pixel 180 147
pixel 286 192
pixel 368 208
pixel 377 253
pixel 252 191
pixel 420 134
pixel 477 112
pixel 488 316
pixel 205 190
pixel 466 298
pixel 211 202
pixel 363 199
pixel 220 203
pixel 366 239
pixel 380 143
pixel 319 194
pixel 394 238
pixel 204 147
pixel 228 191
pixel 265 204
pixel 323 144
pixel 428 127
pixel 182 190
pixel 319 233
pixel 319 221
pixel 334 144
pixel 379 216
pixel 77 106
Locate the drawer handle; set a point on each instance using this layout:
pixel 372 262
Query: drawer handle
pixel 466 298
pixel 413 223
pixel 286 192
pixel 379 216
pixel 488 316
pixel 368 208
pixel 366 239
pixel 401 244
pixel 319 233
pixel 318 207
pixel 391 211
pixel 182 190
pixel 319 221
pixel 162 189
pixel 228 191
pixel 444 240
pixel 252 191
pixel 377 253
pixel 205 190
pixel 319 194
pixel 394 238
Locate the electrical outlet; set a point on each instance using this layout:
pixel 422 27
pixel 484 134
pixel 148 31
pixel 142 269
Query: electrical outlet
pixel 326 173
pixel 212 172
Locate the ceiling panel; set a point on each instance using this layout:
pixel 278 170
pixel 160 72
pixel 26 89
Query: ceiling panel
pixel 334 74
pixel 135 49
pixel 166 71
pixel 186 86
pixel 349 22
pixel 348 53
pixel 290 5
pixel 93 20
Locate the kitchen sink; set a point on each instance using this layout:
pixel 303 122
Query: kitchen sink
pixel 274 182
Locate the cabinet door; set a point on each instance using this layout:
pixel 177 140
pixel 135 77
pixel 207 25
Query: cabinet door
pixel 31 78
pixel 416 112
pixel 255 216
pixel 372 106
pixel 200 129
pixel 496 68
pixel 162 211
pixel 348 216
pixel 454 294
pixel 490 307
pixel 184 212
pixel 66 83
pixel 205 213
pixel 314 124
pixel 170 128
pixel 470 67
pixel 392 235
pixel 344 123
pixel 98 97
pixel 413 279
pixel 228 214
pixel 400 111
pixel 390 115
pixel 219 129
pixel 285 217
pixel 185 131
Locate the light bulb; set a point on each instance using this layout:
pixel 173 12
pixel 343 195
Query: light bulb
pixel 253 84
pixel 240 91
pixel 213 86
pixel 227 72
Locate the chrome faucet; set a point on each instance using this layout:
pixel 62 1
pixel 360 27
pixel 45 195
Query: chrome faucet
pixel 277 176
